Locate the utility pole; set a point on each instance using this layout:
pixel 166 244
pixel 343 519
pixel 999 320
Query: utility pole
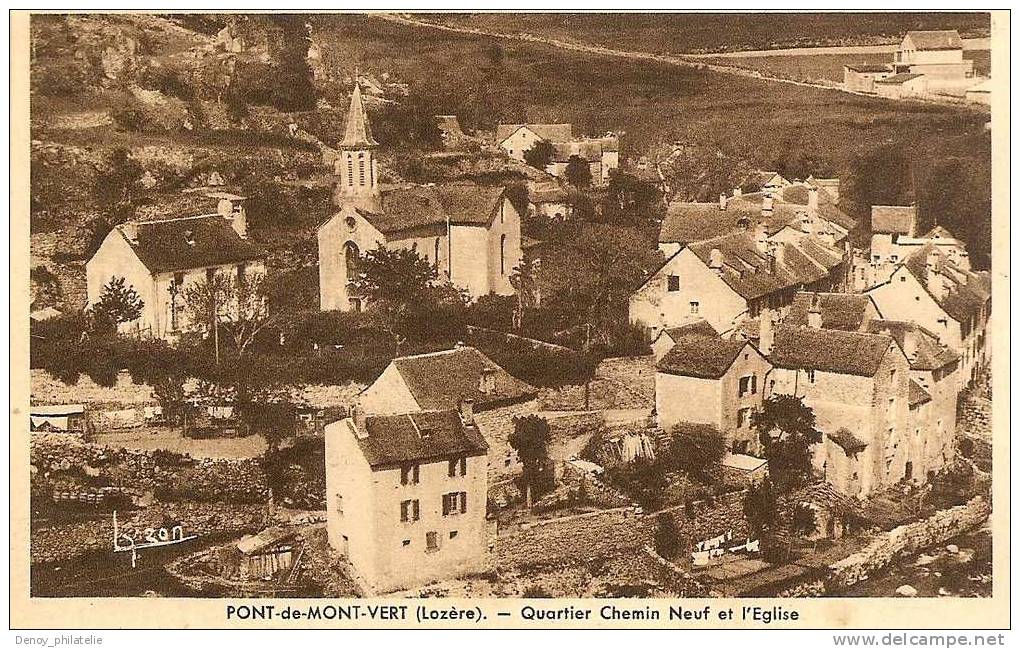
pixel 587 358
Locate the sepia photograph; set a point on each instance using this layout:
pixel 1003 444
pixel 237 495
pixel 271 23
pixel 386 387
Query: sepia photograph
pixel 656 309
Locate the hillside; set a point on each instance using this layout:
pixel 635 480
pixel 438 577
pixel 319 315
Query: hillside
pixel 167 94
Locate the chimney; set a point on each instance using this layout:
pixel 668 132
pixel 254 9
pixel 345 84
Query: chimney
pixel 766 332
pixel 933 275
pixel 467 411
pixel 766 205
pixel 234 212
pixel 910 345
pixel 812 201
pixel 715 261
pixel 360 419
pixel 761 238
pixel 130 230
pixel 814 316
pixel 722 202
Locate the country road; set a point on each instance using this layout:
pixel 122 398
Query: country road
pixel 680 60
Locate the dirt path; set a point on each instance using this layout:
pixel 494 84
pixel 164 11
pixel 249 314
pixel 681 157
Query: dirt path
pixel 599 50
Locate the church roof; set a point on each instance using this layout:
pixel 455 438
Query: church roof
pixel 413 206
pixel 357 134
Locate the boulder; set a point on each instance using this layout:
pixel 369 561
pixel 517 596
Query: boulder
pixel 906 590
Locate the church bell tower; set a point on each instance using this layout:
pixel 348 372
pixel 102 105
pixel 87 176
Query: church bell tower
pixel 355 166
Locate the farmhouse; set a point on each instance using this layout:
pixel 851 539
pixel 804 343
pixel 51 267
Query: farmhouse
pixel 470 233
pixel 601 154
pixel 862 77
pixel 858 386
pixel 901 86
pixel 935 54
pixel 406 497
pixel 161 258
pixel 518 139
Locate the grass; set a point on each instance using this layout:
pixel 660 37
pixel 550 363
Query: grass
pixel 677 33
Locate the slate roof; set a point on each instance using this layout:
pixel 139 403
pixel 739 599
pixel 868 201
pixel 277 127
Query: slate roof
pixel 756 181
pixel 930 354
pixel 590 150
pixel 701 357
pixel 893 219
pixel 845 311
pixel 917 394
pixel 898 79
pixel 419 437
pixel 412 206
pixel 968 291
pixel 699 327
pixel 442 379
pixel 827 207
pixel 357 132
pixel 550 132
pixel 829 350
pixel 746 269
pixel 162 246
pixel 944 39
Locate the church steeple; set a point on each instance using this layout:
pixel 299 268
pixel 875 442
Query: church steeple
pixel 358 183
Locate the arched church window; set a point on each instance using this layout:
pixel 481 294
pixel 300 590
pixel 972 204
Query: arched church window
pixel 352 255
pixel 502 254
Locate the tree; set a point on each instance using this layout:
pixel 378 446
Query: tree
pixel 117 189
pixel 523 280
pixel 294 89
pixel 696 450
pixel 786 430
pixel 760 508
pixel 405 291
pixel 540 155
pixel 118 303
pixel 166 370
pixel 578 173
pixel 234 306
pixel 667 537
pixel 530 440
pixel 644 480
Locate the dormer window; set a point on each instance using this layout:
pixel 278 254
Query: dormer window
pixel 487 381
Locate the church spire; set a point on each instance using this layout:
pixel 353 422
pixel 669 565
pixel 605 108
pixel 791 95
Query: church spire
pixel 357 134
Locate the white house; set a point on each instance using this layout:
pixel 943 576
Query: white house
pixel 406 497
pixel 518 139
pixel 160 258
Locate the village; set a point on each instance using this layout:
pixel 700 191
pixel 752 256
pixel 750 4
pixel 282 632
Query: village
pixel 500 391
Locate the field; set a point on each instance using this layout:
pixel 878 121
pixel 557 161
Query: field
pixel 828 67
pixel 706 32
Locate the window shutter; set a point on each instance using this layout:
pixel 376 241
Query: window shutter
pixel 446 504
pixel 451 469
pixel 415 474
pixel 463 502
pixel 417 510
pixel 463 466
pixel 403 510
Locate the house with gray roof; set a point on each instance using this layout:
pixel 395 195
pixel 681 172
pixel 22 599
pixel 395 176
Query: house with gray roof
pixel 162 257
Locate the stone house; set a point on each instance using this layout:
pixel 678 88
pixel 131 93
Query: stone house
pixel 714 381
pixel 934 387
pixel 844 311
pixel 858 386
pixel 894 237
pixel 953 303
pixel 406 497
pixel 935 54
pixel 668 337
pixel 729 278
pixel 551 202
pixel 517 139
pixel 470 233
pixel 602 154
pixel 161 258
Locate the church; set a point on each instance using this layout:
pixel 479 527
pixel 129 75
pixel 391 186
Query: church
pixel 471 233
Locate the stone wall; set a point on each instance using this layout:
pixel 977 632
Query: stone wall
pixel 60 463
pixel 908 539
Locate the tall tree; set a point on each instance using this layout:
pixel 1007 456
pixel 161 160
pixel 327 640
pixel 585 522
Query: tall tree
pixel 294 90
pixel 540 155
pixel 578 172
pixel 530 439
pixel 786 430
pixel 229 308
pixel 696 450
pixel 118 303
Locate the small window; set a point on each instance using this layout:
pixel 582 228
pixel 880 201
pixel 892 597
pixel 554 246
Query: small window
pixel 744 418
pixel 673 283
pixel 406 542
pixel 811 376
pixel 694 308
pixel 453 534
pixel 431 542
pixel 409 474
pixel 457 467
pixel 903 278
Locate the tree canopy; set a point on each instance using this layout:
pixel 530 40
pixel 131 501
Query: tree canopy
pixel 786 430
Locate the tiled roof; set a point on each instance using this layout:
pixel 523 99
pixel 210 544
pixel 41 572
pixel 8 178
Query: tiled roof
pixel 917 394
pixel 945 39
pixel 844 311
pixel 893 219
pixel 413 206
pixel 930 355
pixel 898 79
pixel 357 132
pixel 550 132
pixel 967 291
pixel 701 356
pixel 163 246
pixel 829 350
pixel 418 437
pixel 442 379
pixel 699 327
